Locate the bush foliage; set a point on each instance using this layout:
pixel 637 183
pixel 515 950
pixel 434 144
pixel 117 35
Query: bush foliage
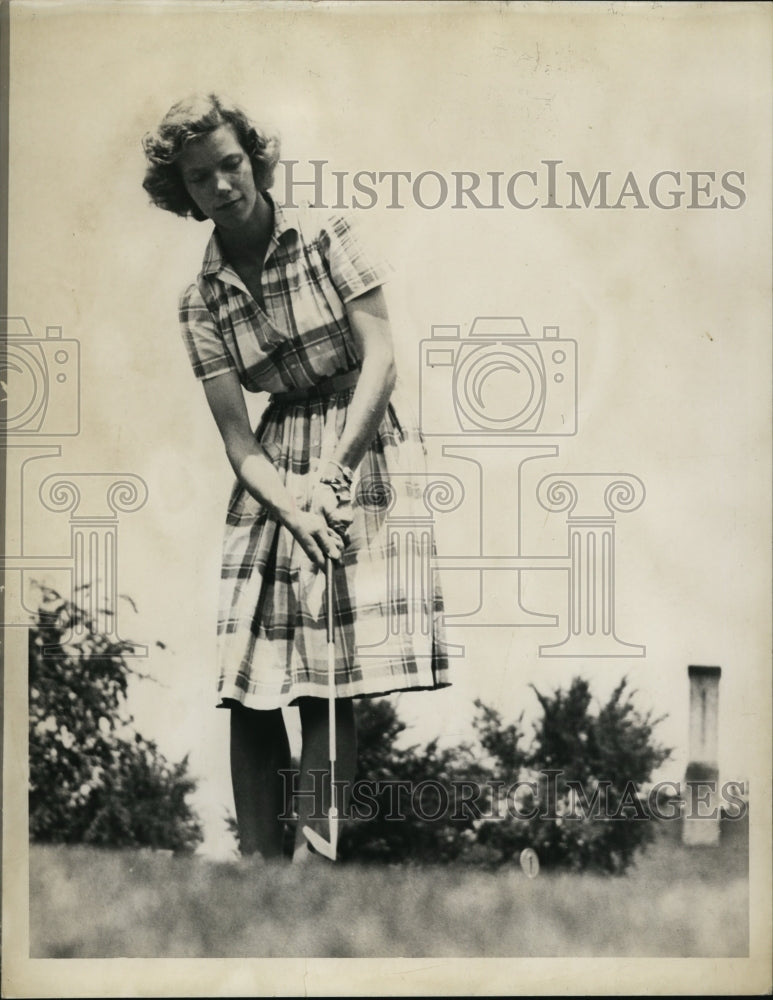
pixel 571 792
pixel 93 778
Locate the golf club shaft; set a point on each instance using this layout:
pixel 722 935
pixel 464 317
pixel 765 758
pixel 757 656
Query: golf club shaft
pixel 331 667
pixel 329 848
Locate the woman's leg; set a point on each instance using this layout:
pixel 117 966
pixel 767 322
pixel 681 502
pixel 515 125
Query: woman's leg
pixel 259 750
pixel 315 756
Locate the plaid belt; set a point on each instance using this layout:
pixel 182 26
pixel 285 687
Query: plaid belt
pixel 326 387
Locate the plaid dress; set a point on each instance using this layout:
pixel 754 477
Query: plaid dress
pixel 272 645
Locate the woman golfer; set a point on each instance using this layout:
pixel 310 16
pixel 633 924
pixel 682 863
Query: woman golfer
pixel 289 302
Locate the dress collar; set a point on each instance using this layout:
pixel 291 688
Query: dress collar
pixel 285 223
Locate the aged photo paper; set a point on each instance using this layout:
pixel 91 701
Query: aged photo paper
pixel 574 201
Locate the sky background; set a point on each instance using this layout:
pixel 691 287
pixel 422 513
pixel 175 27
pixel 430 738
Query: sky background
pixel 669 310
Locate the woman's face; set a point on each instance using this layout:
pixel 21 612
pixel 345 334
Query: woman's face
pixel 217 174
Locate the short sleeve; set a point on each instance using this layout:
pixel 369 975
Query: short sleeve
pixel 353 268
pixel 207 353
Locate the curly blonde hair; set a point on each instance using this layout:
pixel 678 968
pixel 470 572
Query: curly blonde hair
pixel 189 119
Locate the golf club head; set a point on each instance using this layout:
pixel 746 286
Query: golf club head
pixel 327 849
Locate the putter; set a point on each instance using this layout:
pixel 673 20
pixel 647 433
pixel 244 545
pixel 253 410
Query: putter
pixel 322 846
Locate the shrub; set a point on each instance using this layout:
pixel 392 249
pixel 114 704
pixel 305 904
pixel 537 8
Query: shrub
pixel 583 775
pixel 404 785
pixel 93 778
pixel 556 794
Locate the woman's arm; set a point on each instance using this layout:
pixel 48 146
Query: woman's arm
pixel 369 322
pixel 256 473
pixel 367 315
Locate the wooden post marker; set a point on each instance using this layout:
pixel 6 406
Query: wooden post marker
pixel 702 798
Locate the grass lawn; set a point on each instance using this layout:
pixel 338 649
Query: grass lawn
pixel 87 903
